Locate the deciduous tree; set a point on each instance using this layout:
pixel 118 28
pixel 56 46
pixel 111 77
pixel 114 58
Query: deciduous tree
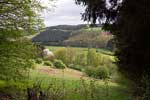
pixel 18 18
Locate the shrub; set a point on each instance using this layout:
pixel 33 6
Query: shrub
pixel 48 63
pixel 59 64
pixel 91 57
pixel 39 60
pixel 90 71
pixel 107 60
pixel 33 63
pixel 61 54
pixel 102 72
pixel 112 69
pixel 80 59
pixel 67 55
pixel 94 58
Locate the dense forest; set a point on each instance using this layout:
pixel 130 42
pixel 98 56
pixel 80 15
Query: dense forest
pixel 77 36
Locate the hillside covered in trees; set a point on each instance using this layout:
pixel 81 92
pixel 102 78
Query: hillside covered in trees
pixel 74 35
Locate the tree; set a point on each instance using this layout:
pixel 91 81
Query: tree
pixel 129 21
pixel 67 55
pixel 16 58
pixel 18 18
pixel 92 58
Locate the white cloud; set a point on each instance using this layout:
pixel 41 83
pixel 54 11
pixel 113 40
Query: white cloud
pixel 65 12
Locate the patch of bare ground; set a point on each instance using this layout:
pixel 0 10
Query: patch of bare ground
pixel 67 72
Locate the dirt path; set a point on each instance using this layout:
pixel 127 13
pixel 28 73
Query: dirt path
pixel 59 72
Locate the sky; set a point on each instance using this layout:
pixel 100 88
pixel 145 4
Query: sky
pixel 65 12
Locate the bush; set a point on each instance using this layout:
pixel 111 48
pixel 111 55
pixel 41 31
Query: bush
pixel 94 59
pixel 67 55
pixel 90 71
pixel 113 70
pixel 39 60
pixel 33 63
pixel 59 64
pixel 101 72
pixel 80 59
pixel 48 63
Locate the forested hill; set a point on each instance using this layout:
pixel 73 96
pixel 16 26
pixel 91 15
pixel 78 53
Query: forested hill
pixel 67 27
pixel 55 35
pixel 74 35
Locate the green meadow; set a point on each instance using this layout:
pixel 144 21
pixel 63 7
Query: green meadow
pixel 69 83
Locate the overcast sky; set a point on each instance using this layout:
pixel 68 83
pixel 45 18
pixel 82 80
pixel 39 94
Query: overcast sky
pixel 66 12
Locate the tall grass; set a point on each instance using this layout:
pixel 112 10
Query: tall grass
pixel 62 88
pixel 79 89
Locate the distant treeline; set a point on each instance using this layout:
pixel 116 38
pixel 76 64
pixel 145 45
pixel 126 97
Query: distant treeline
pixel 75 35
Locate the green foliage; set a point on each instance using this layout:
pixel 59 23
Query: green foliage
pixel 104 66
pixel 131 33
pixel 48 63
pixel 83 57
pixel 33 63
pixel 80 58
pixel 101 72
pixel 82 37
pixel 93 58
pixel 20 18
pixel 67 55
pixel 66 88
pixel 56 34
pixel 113 69
pixel 59 64
pixel 39 60
pixel 101 66
pixel 70 54
pixel 16 58
pixel 61 54
pixel 92 37
pixel 90 71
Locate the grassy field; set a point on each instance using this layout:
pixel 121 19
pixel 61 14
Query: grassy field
pixel 83 49
pixel 78 86
pixel 70 85
pixel 67 84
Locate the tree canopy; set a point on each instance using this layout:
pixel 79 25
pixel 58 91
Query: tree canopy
pixel 129 21
pixel 16 59
pixel 20 17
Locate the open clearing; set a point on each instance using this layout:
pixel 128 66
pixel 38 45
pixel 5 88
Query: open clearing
pixel 67 72
pixel 77 86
